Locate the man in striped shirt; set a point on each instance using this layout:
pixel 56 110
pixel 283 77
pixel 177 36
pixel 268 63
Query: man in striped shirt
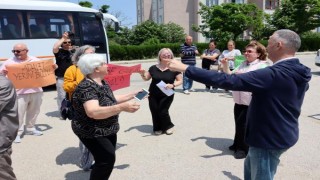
pixel 188 52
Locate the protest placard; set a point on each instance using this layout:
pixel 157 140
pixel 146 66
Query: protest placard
pixel 31 74
pixel 118 76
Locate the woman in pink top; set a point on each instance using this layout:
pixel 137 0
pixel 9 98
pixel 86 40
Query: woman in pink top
pixel 255 55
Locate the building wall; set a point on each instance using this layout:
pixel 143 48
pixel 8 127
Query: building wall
pixel 183 12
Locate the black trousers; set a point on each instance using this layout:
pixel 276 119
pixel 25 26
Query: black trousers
pixel 103 150
pixel 159 107
pixel 240 117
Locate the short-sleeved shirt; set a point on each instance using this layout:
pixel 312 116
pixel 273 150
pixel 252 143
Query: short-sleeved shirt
pixel 227 54
pixel 157 75
pixel 63 60
pixel 84 126
pixel 209 52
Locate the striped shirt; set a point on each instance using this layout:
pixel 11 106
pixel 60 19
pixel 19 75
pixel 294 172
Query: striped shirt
pixel 188 53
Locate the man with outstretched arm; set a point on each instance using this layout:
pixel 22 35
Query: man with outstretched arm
pixel 277 96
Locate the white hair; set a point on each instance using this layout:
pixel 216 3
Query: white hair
pixel 88 62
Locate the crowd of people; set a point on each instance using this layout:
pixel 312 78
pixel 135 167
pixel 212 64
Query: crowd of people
pixel 261 136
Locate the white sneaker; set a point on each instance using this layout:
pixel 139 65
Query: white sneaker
pixel 169 131
pixel 192 90
pixel 186 92
pixel 34 132
pixel 18 139
pixel 158 132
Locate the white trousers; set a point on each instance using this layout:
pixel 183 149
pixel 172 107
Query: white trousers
pixel 28 110
pixel 61 94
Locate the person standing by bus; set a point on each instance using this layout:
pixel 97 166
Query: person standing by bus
pixel 62 52
pixel 29 99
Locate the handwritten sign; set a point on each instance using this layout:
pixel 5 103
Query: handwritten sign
pixel 31 74
pixel 118 81
pixel 119 76
pixel 114 69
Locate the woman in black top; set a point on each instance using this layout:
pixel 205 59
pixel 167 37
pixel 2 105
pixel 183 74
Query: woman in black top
pixel 96 114
pixel 159 102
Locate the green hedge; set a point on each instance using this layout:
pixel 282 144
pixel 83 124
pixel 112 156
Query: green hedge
pixel 130 52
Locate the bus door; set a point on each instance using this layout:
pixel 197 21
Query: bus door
pixel 92 31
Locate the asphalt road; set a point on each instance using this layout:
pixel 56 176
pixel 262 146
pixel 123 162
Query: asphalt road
pixel 198 149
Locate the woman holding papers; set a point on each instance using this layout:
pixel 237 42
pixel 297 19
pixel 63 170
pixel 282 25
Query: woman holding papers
pixel 255 55
pixel 161 91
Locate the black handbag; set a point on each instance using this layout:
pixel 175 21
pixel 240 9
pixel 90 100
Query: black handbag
pixel 66 109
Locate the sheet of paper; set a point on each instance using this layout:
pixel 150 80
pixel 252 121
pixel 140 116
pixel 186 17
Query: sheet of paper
pixel 162 86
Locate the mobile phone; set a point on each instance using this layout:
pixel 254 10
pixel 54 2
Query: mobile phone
pixel 141 94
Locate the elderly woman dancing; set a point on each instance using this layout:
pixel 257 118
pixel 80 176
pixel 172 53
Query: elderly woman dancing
pixel 96 114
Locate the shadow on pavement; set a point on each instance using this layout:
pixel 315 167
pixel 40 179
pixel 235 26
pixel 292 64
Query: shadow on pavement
pixel 230 176
pixel 53 114
pixel 78 175
pixel 217 144
pixel 43 127
pixel 69 155
pixel 316 73
pixel 143 128
pixel 121 167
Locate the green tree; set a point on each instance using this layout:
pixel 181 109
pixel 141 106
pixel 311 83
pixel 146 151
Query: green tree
pixel 104 8
pixel 146 30
pixel 85 4
pixel 229 20
pixel 124 37
pixel 297 15
pixel 172 33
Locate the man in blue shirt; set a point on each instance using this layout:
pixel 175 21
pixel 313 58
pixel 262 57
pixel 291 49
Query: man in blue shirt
pixel 277 96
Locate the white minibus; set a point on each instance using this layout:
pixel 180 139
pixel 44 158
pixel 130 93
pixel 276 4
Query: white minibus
pixel 40 23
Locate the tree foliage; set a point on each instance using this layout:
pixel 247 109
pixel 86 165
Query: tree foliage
pixel 85 4
pixel 104 8
pixel 297 15
pixel 150 32
pixel 229 20
pixel 172 33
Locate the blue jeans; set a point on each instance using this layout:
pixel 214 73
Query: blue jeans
pixel 261 164
pixel 187 83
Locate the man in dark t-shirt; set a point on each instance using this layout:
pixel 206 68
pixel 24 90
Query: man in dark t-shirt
pixel 62 52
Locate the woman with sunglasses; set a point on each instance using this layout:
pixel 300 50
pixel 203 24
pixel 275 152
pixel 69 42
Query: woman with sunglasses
pixel 62 51
pixel 255 55
pixel 159 102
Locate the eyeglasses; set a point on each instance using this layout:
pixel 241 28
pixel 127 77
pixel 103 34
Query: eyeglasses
pixel 166 55
pixel 248 51
pixel 18 51
pixel 68 42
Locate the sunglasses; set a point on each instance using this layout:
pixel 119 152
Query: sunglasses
pixel 17 51
pixel 68 42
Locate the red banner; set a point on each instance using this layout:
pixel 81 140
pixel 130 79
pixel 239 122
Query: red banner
pixel 119 76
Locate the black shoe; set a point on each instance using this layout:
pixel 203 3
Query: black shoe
pixel 232 147
pixel 240 154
